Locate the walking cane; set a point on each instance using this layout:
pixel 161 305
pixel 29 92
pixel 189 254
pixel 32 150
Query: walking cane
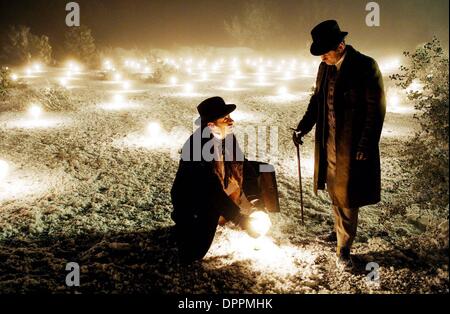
pixel 300 176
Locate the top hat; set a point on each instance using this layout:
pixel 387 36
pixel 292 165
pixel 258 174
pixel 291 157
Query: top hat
pixel 326 37
pixel 214 108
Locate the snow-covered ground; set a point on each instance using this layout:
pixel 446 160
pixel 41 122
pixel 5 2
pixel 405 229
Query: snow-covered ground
pixel 90 183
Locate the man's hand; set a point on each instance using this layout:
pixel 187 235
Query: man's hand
pixel 362 155
pixel 297 138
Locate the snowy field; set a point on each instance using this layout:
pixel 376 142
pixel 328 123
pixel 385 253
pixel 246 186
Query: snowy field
pixel 89 182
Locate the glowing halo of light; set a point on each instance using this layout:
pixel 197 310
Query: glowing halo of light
pixel 188 88
pixel 64 82
pixel 173 80
pixel 231 84
pixel 126 85
pixel 35 111
pixel 153 128
pixel 260 222
pixel 282 91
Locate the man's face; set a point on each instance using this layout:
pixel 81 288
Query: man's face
pixel 222 127
pixel 332 57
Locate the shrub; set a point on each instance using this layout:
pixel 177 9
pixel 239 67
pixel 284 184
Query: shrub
pixel 427 69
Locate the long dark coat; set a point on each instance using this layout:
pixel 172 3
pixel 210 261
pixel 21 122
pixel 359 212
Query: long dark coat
pixel 360 108
pixel 199 199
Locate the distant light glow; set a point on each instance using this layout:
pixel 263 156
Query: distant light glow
pixel 37 67
pixel 282 91
pixel 173 80
pixel 117 77
pixel 35 111
pixel 63 82
pixel 415 87
pixel 126 85
pixel 14 77
pixel 288 75
pixel 231 84
pixel 188 88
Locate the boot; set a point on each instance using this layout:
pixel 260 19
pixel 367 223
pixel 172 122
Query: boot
pixel 344 260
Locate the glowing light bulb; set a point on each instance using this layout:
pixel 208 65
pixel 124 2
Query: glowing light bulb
pixel 231 84
pixel 37 67
pixel 35 111
pixel 118 99
pixel 188 88
pixel 63 82
pixel 117 76
pixel 282 90
pixel 153 129
pixel 260 222
pixel 288 75
pixel 173 80
pixel 14 77
pixel 126 85
pixel 261 79
pixel 4 170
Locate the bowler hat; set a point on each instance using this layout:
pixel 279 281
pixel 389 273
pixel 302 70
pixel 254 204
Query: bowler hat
pixel 326 37
pixel 214 108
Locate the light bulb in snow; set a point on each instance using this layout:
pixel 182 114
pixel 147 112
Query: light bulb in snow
pixel 188 88
pixel 126 85
pixel 173 80
pixel 153 129
pixel 260 222
pixel 288 75
pixel 282 90
pixel 37 67
pixel 14 77
pixel 35 111
pixel 118 99
pixel 4 169
pixel 117 76
pixel 63 82
pixel 261 79
pixel 28 71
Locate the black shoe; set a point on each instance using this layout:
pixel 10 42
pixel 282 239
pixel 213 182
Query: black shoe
pixel 344 260
pixel 328 238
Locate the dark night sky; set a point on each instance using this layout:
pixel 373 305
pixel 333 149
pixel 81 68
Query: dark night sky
pixel 168 23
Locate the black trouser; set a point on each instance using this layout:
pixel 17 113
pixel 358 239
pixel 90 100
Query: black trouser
pixel 195 236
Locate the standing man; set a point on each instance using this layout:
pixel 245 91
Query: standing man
pixel 348 109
